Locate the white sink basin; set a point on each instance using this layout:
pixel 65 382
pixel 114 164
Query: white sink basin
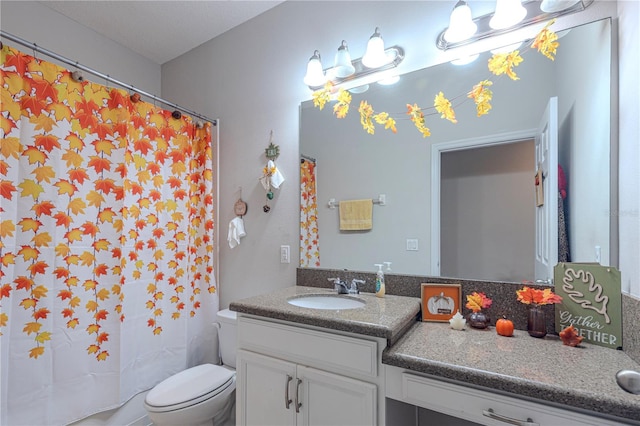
pixel 325 301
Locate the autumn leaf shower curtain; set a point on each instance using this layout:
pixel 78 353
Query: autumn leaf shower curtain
pixel 309 237
pixel 107 247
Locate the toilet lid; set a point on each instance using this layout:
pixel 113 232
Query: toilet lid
pixel 188 385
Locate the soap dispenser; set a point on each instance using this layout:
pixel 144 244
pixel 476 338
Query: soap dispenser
pixel 379 281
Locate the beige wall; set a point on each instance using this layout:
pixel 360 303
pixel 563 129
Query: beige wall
pixel 36 23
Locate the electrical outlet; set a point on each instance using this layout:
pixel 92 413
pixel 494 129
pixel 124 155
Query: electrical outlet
pixel 412 244
pixel 284 254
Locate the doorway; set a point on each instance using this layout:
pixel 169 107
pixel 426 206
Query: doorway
pixel 487 222
pixel 483 222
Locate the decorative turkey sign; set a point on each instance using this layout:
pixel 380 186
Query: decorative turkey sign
pixel 591 302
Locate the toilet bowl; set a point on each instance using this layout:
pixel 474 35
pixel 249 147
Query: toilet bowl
pixel 200 395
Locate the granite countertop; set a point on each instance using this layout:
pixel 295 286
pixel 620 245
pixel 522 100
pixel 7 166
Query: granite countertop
pixel 388 317
pixel 542 369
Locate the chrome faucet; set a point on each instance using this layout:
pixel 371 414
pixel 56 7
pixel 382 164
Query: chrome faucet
pixel 339 285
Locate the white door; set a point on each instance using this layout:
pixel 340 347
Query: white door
pixel 546 253
pixel 329 399
pixel 265 390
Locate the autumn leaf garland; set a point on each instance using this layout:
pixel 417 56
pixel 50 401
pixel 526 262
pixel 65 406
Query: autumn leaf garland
pixel 499 64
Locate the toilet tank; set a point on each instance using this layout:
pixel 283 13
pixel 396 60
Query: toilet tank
pixel 228 336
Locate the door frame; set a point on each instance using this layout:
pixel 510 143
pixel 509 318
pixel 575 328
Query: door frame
pixel 437 149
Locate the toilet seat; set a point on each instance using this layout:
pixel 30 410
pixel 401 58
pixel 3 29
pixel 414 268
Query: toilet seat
pixel 189 387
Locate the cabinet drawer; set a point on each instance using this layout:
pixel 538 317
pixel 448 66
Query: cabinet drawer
pixel 485 407
pixel 334 352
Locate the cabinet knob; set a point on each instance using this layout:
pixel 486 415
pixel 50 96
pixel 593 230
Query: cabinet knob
pixel 499 417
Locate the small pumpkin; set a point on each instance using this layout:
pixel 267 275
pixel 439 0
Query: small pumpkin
pixel 504 326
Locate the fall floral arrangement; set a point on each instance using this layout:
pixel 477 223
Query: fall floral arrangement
pixel 533 296
pixel 478 301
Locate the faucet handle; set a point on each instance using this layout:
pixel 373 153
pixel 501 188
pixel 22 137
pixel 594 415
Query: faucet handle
pixel 339 285
pixel 354 286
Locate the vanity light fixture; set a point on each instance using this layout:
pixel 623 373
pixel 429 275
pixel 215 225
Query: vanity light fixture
pixel 349 73
pixel 529 11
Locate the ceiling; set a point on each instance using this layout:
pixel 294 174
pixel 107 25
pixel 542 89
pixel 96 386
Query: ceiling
pixel 160 30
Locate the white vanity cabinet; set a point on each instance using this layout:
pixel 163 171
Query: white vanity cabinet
pixel 478 406
pixel 294 375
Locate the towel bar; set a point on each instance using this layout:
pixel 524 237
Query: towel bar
pixel 381 200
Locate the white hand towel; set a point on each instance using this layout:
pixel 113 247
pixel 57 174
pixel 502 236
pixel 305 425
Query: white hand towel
pixel 236 231
pixel 276 177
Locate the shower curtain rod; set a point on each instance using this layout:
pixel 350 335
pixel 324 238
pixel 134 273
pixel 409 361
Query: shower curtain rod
pixel 112 80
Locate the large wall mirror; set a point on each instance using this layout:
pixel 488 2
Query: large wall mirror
pixel 485 167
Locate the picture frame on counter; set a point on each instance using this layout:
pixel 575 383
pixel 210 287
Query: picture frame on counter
pixel 440 302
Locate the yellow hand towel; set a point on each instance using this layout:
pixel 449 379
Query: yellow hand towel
pixel 356 215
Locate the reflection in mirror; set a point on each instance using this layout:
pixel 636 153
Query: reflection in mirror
pixel 351 164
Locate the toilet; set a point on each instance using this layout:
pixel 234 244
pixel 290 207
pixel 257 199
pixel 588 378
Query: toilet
pixel 201 395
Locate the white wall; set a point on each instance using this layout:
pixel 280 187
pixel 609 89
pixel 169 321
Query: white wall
pixel 250 77
pixel 629 135
pixel 36 23
pixel 586 161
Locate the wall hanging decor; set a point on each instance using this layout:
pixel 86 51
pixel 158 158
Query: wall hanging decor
pixel 236 225
pixel 271 177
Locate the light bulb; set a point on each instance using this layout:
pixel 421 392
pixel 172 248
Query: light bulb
pixel 343 67
pixel 375 55
pixel 315 75
pixel 461 25
pixel 507 14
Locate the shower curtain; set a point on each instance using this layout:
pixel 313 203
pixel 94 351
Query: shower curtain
pixel 309 243
pixel 106 223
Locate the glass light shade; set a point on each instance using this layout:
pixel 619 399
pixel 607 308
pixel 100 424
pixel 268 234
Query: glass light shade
pixel 507 14
pixel 388 81
pixel 461 25
pixel 465 60
pixel 359 89
pixel 343 67
pixel 315 75
pixel 550 6
pixel 507 49
pixel 375 55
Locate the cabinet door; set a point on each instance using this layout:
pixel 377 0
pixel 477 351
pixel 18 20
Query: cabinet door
pixel 328 399
pixel 264 388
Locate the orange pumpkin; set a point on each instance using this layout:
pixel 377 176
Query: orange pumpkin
pixel 504 326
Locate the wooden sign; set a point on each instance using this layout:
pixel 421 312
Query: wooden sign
pixel 440 302
pixel 591 302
